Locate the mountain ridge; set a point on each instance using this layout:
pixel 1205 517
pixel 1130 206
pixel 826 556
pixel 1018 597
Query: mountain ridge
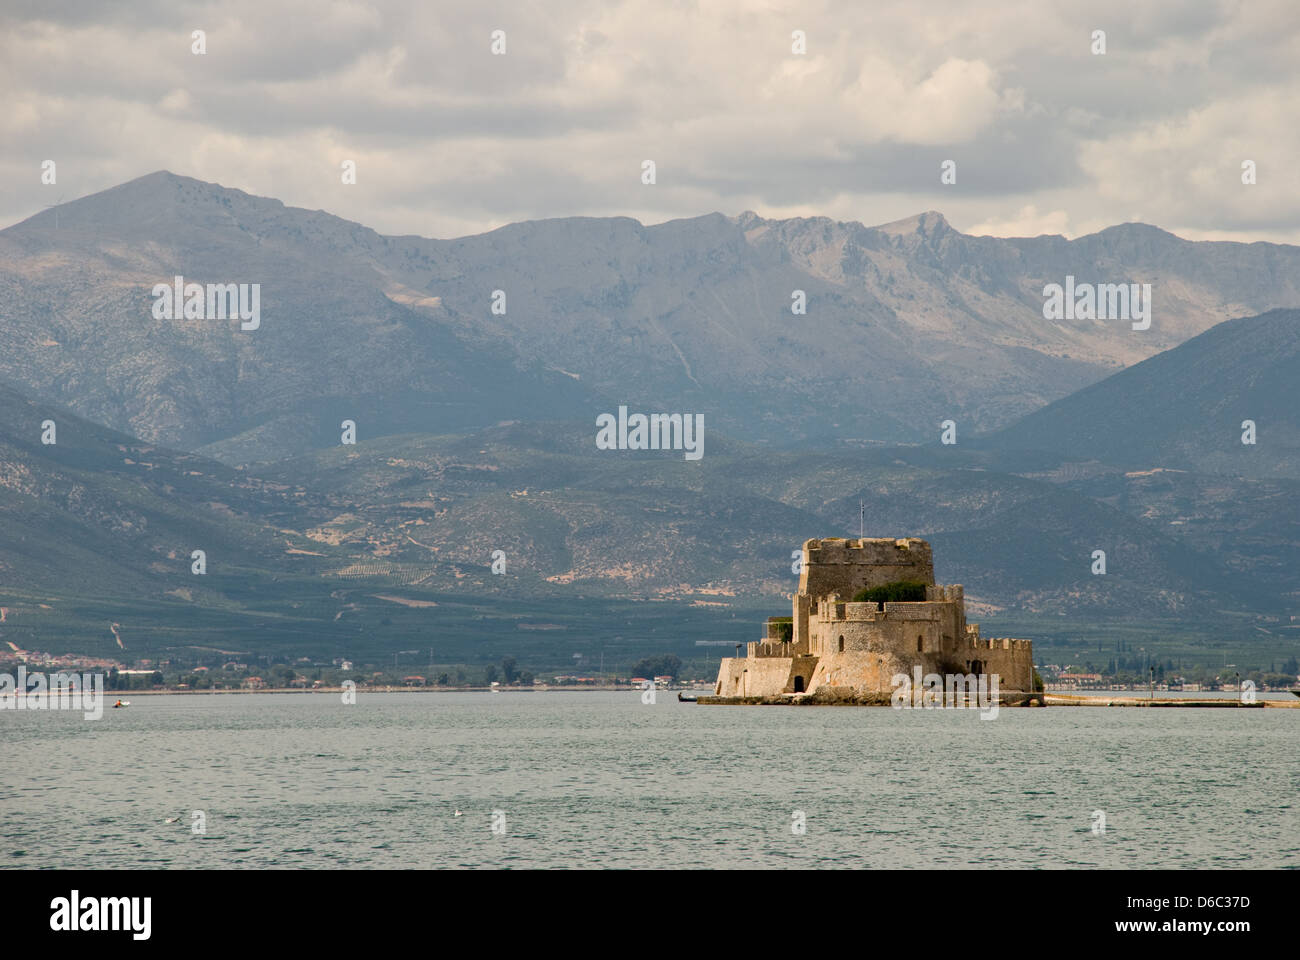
pixel 907 324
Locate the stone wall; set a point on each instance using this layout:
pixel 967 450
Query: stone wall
pixel 800 609
pixel 753 676
pixel 866 671
pixel 847 566
pixel 1012 660
pixel 930 627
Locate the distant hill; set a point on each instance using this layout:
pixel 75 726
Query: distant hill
pixel 388 545
pixel 1184 409
pixel 625 524
pixel 907 323
pixel 126 509
pixel 99 527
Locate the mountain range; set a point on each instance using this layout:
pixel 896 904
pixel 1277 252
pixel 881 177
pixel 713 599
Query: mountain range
pixel 475 429
pixel 906 324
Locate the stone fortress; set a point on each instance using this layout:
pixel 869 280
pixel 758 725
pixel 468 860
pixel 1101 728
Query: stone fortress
pixel 836 649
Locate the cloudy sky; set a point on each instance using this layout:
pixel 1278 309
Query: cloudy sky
pixel 449 139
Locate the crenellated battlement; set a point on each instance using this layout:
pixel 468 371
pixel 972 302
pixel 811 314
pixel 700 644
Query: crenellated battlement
pixel 865 549
pixel 946 593
pixel 767 648
pixel 834 608
pixel 997 643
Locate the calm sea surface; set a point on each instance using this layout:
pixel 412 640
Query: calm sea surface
pixel 602 780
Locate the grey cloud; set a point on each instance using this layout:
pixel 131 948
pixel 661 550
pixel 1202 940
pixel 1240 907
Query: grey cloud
pixel 445 132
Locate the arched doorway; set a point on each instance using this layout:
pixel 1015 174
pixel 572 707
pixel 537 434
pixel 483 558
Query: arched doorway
pixel 798 684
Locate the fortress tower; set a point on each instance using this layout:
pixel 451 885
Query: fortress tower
pixel 854 649
pixel 847 566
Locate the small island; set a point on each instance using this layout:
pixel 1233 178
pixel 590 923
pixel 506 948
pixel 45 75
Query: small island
pixel 867 611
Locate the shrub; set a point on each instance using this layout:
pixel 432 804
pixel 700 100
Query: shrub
pixel 900 591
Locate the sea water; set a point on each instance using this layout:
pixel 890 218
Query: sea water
pixel 601 779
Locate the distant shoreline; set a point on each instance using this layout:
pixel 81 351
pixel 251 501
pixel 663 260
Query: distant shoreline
pixel 1278 701
pixel 1017 700
pixel 624 688
pixel 1060 700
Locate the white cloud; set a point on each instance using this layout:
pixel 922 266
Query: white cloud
pixel 1185 173
pixel 451 139
pixel 1029 221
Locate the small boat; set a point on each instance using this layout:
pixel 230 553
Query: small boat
pixel 122 703
pixel 687 697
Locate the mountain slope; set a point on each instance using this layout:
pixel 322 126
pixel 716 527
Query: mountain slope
pixel 98 528
pixel 629 524
pixel 388 544
pixel 907 323
pixel 78 313
pixel 1184 408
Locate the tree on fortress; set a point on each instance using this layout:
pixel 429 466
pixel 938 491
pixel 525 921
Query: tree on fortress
pixel 665 666
pixel 899 591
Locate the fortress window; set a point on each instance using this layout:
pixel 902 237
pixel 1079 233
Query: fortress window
pixel 841 644
pixel 920 643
